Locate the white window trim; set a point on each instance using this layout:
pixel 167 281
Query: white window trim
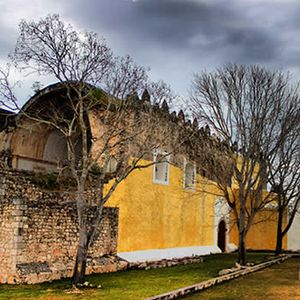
pixel 155 153
pixel 192 187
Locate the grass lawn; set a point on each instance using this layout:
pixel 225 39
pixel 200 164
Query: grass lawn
pixel 134 284
pixel 279 281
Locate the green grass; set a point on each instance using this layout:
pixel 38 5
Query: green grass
pixel 133 284
pixel 280 281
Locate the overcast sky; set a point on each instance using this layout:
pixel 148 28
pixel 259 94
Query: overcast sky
pixel 176 38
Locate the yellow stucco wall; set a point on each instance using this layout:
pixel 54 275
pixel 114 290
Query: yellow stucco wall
pixel 156 216
pixel 262 233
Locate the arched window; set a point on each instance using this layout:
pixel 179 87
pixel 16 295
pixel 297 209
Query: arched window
pixel 161 167
pixel 189 175
pixel 112 165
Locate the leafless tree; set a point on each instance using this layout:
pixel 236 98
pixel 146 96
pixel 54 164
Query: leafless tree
pixel 106 138
pixel 161 92
pixel 124 77
pixel 284 178
pixel 249 110
pixel 8 98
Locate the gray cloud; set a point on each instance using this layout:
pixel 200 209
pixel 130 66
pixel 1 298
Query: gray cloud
pixel 6 45
pixel 179 37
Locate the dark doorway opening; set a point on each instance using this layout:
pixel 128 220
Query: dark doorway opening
pixel 222 235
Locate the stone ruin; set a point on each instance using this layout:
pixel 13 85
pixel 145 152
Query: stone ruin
pixel 39 233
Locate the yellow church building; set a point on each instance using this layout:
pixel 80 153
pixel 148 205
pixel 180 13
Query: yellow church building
pixel 170 209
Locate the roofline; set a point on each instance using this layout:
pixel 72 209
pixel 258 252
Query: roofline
pixel 47 90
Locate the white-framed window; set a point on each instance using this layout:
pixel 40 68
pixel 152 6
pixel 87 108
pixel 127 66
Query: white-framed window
pixel 161 168
pixel 189 175
pixel 111 165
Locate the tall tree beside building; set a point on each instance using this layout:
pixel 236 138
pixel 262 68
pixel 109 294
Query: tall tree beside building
pixel 251 110
pixel 126 132
pixel 284 178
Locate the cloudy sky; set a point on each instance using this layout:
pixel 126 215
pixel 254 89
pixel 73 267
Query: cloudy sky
pixel 176 38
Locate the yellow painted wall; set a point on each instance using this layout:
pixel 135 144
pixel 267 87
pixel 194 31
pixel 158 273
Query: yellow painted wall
pixel 262 233
pixel 155 216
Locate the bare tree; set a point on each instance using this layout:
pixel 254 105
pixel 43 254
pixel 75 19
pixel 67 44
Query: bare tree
pixel 284 178
pixel 106 138
pixel 242 107
pixel 8 98
pixel 161 92
pixel 124 77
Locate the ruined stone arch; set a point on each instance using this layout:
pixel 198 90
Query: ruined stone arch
pixel 36 146
pixel 55 149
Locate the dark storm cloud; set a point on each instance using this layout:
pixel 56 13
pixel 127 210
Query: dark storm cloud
pixel 192 26
pixel 179 37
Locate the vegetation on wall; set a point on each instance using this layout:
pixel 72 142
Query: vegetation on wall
pixel 47 181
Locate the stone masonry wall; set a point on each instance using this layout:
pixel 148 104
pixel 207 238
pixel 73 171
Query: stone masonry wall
pixel 39 233
pixel 7 246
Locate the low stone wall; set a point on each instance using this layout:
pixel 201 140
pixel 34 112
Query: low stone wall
pixel 147 265
pixel 39 233
pixel 211 282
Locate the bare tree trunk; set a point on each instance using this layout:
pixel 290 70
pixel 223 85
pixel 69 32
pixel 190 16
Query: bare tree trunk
pixel 242 243
pixel 280 234
pixel 81 257
pixel 86 239
pixel 95 226
pixel 242 249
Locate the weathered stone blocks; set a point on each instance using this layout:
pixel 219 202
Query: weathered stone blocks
pixel 39 233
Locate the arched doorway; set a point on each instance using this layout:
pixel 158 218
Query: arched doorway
pixel 222 235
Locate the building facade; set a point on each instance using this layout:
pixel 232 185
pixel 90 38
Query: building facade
pixel 170 209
